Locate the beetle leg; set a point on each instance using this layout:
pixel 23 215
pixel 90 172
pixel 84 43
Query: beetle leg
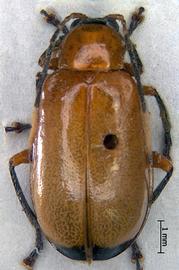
pixel 17 127
pixel 47 56
pixel 74 16
pixel 164 163
pixel 53 64
pixel 137 67
pixel 139 62
pixel 136 19
pixel 134 57
pixel 121 19
pixel 164 116
pixel 128 67
pixel 20 158
pixel 137 256
pixel 161 161
pixel 50 18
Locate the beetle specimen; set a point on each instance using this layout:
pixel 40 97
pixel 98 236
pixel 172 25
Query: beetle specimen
pixel 89 149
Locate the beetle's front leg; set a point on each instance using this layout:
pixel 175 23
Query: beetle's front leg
pixel 17 127
pixel 21 158
pixel 137 256
pixel 50 18
pixel 136 19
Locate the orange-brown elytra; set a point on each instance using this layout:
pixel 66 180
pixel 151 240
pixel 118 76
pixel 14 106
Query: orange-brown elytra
pixel 90 146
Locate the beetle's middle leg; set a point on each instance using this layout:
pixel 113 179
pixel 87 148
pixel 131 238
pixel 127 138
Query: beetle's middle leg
pixel 17 127
pixel 137 256
pixel 129 68
pixel 150 91
pixel 161 161
pixel 21 158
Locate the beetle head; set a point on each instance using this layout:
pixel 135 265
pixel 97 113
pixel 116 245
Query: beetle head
pixel 105 21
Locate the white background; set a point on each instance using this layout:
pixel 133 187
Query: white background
pixel 23 37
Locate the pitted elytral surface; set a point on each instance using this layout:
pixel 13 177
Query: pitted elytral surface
pixel 117 185
pixel 85 194
pixel 59 157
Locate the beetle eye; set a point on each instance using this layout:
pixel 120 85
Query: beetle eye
pixel 75 23
pixel 113 23
pixel 110 141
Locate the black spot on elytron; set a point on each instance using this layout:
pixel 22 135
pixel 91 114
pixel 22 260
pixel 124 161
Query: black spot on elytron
pixel 110 141
pixel 78 253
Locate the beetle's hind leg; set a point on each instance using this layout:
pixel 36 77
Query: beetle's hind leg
pixel 21 158
pixel 137 256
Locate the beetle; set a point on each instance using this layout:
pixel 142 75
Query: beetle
pixel 89 145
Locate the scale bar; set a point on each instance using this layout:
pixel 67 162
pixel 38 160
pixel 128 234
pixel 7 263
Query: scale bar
pixel 160 223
